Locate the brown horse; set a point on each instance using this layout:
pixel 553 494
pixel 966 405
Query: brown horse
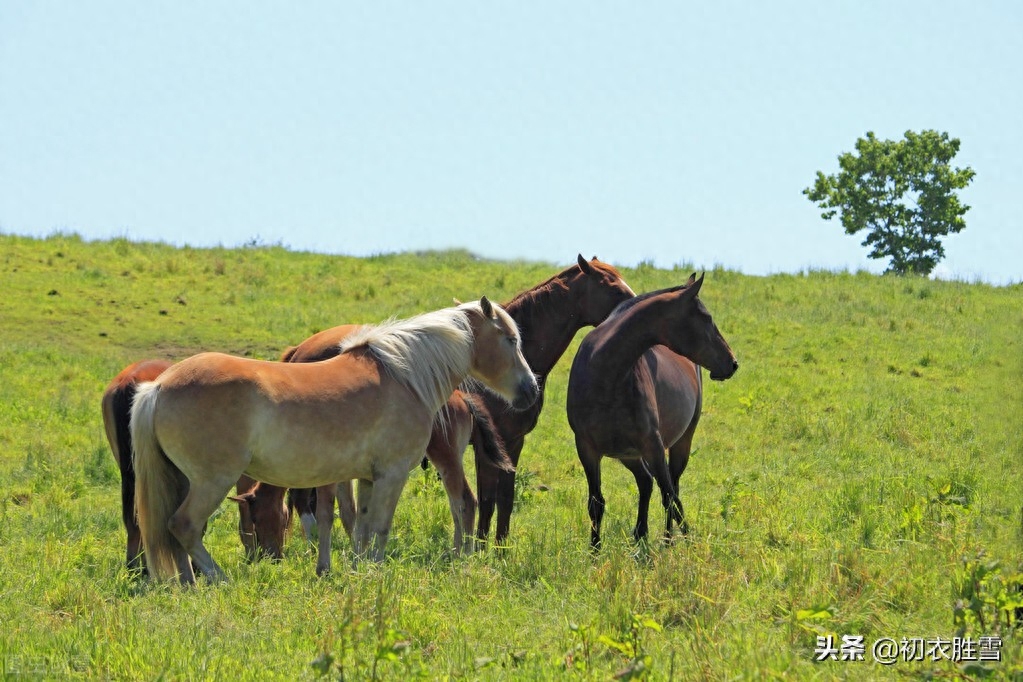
pixel 459 423
pixel 264 518
pixel 116 404
pixel 635 391
pixel 548 316
pixel 365 414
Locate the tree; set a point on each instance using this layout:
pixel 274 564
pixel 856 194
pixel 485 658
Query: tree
pixel 902 192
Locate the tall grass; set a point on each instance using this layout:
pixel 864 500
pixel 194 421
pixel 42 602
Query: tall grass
pixel 858 476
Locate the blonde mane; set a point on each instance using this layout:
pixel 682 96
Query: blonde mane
pixel 424 352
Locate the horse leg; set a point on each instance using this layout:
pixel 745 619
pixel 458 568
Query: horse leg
pixel 506 493
pixel 303 502
pixel 189 521
pixel 462 502
pixel 375 517
pixel 324 525
pixel 590 457
pixel 360 536
pixel 678 459
pixel 345 493
pixel 645 484
pixel 654 459
pixel 133 553
pixel 486 489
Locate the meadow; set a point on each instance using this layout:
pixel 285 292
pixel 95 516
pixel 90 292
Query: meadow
pixel 859 476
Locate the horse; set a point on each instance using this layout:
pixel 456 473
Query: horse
pixel 635 390
pixel 365 414
pixel 115 404
pixel 264 517
pixel 259 508
pixel 459 422
pixel 548 317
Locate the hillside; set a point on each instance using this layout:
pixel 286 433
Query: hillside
pixel 857 476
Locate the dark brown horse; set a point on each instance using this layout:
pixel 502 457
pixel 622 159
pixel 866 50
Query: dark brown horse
pixel 116 405
pixel 548 317
pixel 634 391
pixel 259 508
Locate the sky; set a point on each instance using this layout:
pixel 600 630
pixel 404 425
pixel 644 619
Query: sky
pixel 666 132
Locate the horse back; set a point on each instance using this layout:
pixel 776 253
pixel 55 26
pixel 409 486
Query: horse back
pixel 116 405
pixel 292 425
pixel 321 345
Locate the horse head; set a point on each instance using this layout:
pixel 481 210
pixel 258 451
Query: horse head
pixel 497 359
pixel 689 330
pixel 263 522
pixel 599 288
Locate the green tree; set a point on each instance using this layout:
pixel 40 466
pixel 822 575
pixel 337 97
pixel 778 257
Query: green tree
pixel 902 192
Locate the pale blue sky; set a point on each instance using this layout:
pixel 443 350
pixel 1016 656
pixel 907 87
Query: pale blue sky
pixel 665 131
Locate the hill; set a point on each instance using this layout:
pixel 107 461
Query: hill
pixel 859 476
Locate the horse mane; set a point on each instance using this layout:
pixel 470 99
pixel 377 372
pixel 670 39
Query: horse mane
pixel 538 296
pixel 628 304
pixel 421 352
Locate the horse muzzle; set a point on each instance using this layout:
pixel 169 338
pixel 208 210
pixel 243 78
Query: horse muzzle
pixel 526 394
pixel 718 375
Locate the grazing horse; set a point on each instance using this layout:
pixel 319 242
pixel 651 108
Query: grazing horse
pixel 548 316
pixel 459 422
pixel 635 391
pixel 365 414
pixel 264 518
pixel 116 404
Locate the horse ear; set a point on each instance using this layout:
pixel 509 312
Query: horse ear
pixel 457 302
pixel 240 499
pixel 584 266
pixel 487 307
pixel 695 284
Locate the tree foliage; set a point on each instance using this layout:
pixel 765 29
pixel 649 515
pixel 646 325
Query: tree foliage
pixel 902 192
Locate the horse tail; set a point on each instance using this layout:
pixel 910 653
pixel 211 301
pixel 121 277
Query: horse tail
pixel 158 489
pixel 116 406
pixel 485 439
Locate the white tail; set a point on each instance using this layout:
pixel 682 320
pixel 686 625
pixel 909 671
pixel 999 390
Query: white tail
pixel 158 490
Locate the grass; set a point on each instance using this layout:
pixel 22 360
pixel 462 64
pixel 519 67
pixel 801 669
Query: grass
pixel 860 475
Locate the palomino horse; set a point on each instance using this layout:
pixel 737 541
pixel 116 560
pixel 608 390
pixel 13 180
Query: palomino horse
pixel 365 414
pixel 548 316
pixel 116 405
pixel 258 508
pixel 459 422
pixel 635 391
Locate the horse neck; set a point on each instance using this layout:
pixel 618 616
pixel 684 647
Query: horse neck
pixel 547 321
pixel 621 340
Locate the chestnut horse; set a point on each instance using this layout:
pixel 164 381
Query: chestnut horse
pixel 548 316
pixel 635 391
pixel 264 518
pixel 116 404
pixel 365 414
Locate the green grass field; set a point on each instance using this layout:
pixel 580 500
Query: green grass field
pixel 860 475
